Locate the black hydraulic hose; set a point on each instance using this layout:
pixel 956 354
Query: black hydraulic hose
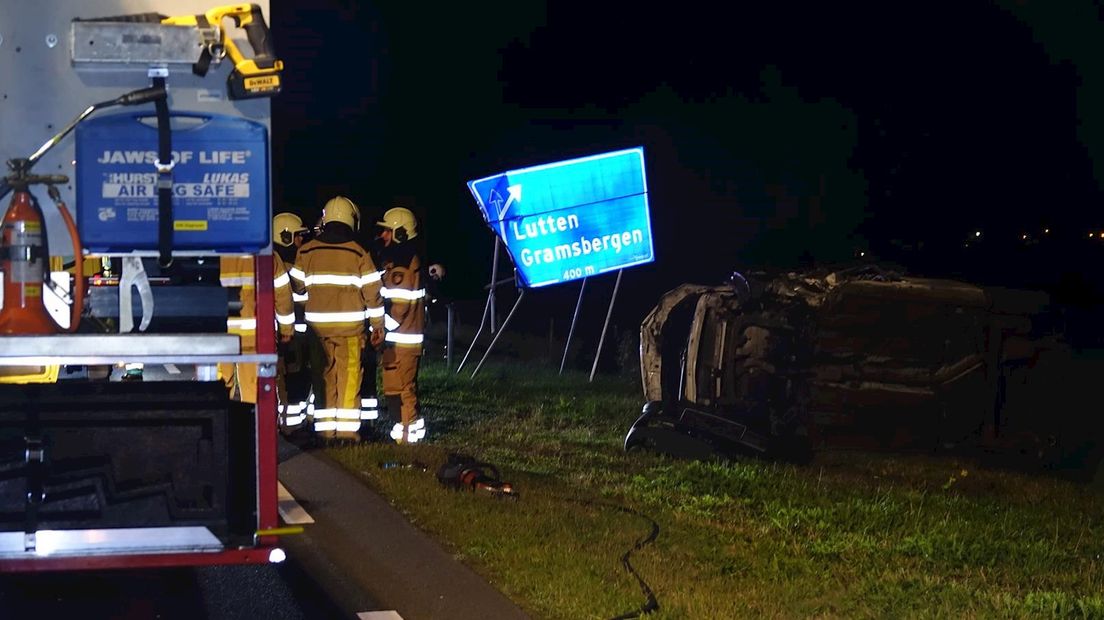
pixel 143 95
pixel 651 604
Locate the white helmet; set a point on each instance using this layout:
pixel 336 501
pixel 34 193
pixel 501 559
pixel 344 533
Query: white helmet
pixel 403 224
pixel 285 226
pixel 341 209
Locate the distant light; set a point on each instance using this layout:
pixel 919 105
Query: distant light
pixel 862 253
pixel 1025 236
pixel 1046 231
pixel 277 555
pixel 977 233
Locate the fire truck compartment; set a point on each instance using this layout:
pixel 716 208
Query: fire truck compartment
pixel 114 455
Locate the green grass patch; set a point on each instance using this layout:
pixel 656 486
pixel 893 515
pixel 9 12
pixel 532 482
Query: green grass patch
pixel 850 535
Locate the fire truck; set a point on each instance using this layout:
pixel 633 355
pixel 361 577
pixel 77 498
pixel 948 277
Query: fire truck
pixel 120 442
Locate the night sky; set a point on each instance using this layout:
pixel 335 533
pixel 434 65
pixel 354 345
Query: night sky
pixel 776 135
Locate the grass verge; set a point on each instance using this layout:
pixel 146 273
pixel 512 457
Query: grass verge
pixel 851 535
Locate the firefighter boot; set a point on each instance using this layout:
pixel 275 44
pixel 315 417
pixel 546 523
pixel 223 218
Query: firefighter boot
pixel 394 412
pixel 411 433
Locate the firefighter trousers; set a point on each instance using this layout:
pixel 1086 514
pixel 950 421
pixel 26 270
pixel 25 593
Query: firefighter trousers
pixel 292 381
pixel 316 367
pixel 400 379
pixel 369 403
pixel 241 379
pixel 341 417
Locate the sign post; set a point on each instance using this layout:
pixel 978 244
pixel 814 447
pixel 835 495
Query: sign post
pixel 487 307
pixel 609 313
pixel 574 318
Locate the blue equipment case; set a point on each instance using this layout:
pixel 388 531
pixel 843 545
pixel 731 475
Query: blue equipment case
pixel 220 183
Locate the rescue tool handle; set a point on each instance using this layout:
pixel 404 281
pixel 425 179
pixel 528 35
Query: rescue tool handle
pixel 142 95
pixel 256 30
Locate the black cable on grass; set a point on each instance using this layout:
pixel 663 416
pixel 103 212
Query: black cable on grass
pixel 651 604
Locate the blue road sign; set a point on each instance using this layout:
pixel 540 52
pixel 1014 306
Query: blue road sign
pixel 571 219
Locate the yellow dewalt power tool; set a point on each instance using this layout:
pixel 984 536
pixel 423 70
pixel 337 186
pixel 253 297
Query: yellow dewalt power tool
pixel 251 77
pixel 258 76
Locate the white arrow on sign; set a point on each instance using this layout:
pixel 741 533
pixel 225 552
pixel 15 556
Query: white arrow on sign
pixel 515 194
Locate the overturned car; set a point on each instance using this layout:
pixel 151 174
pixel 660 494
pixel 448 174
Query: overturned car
pixel 866 357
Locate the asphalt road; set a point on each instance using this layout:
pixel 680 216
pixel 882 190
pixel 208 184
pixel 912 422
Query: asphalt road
pixel 279 592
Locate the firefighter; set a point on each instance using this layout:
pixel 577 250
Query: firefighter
pixel 236 272
pixel 404 300
pixel 292 382
pixel 343 292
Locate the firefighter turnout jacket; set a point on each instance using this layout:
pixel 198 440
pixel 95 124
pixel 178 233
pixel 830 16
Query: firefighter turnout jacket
pixel 404 299
pixel 237 271
pixel 285 307
pixel 341 285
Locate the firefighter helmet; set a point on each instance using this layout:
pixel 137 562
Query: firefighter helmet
pixel 341 209
pixel 285 226
pixel 401 222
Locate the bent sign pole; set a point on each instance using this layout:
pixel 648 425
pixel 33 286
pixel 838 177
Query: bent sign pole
pixel 488 306
pixel 574 318
pixel 605 325
pixel 571 220
pixel 502 329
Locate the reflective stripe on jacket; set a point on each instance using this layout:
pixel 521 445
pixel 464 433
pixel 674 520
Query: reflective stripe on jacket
pixel 342 287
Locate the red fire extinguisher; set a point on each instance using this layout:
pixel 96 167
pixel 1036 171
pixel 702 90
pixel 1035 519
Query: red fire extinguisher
pixel 24 257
